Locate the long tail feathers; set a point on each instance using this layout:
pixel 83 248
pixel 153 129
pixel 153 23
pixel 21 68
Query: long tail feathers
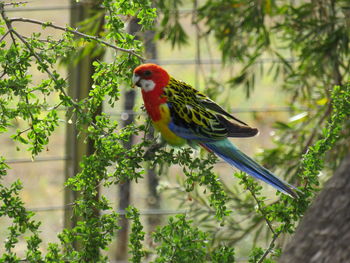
pixel 227 151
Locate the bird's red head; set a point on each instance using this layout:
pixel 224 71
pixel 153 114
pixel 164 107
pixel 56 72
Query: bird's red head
pixel 150 77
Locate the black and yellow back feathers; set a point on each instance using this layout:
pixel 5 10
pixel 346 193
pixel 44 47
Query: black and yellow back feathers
pixel 193 110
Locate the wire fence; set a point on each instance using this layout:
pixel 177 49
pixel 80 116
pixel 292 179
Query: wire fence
pixel 143 212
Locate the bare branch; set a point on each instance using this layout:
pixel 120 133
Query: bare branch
pixel 7 22
pixel 25 130
pixel 77 33
pixel 3 37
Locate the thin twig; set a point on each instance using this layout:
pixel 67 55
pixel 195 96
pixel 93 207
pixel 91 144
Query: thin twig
pixel 12 33
pixel 317 128
pixel 52 76
pixel 28 129
pixel 47 40
pixel 55 107
pixel 7 22
pixel 76 32
pixel 275 234
pixel 16 3
pixel 262 211
pixel 271 246
pixel 3 37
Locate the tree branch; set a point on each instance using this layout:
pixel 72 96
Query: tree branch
pixel 317 128
pixel 3 37
pixel 77 33
pixel 16 3
pixel 7 22
pixel 39 59
pixel 275 234
pixel 261 210
pixel 271 246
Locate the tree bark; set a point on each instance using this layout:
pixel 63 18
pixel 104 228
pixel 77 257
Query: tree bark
pixel 323 235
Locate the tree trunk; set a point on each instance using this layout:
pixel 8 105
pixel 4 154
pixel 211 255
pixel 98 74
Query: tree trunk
pixel 324 233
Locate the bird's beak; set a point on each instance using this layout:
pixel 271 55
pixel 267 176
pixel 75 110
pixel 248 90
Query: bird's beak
pixel 135 80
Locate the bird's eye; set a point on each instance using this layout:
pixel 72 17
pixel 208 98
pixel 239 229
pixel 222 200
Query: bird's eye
pixel 147 73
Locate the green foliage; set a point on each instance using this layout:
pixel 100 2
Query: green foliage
pixel 21 222
pixel 223 254
pixel 136 236
pixel 313 162
pixel 255 255
pixel 197 171
pixel 318 37
pixel 170 27
pixel 231 22
pixel 179 241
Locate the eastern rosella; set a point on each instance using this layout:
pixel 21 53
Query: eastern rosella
pixel 184 115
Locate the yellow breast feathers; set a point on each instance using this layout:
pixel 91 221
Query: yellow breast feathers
pixel 162 126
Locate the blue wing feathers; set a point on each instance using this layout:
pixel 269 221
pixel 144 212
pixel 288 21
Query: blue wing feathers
pixel 187 133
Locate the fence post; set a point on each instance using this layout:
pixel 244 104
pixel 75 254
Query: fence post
pixel 153 199
pixel 80 82
pixel 124 188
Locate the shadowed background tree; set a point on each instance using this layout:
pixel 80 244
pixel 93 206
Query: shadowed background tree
pixel 323 234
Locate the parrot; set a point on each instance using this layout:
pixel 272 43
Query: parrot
pixel 184 115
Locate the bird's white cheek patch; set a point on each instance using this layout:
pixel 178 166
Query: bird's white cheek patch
pixel 147 84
